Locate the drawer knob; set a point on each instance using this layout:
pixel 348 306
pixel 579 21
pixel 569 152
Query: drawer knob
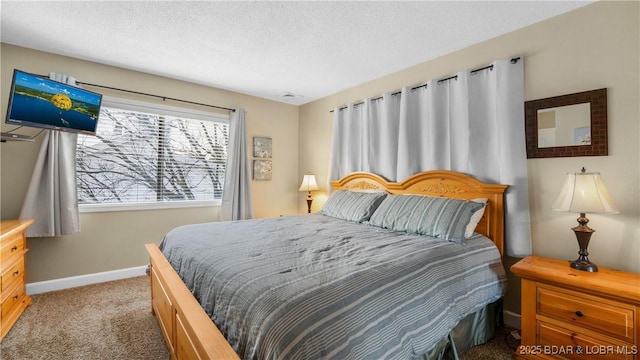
pixel 579 313
pixel 16 272
pixel 14 248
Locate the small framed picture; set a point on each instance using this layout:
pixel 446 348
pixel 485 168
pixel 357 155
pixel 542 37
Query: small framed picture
pixel 262 147
pixel 262 170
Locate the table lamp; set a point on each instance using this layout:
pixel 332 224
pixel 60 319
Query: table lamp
pixel 584 192
pixel 309 184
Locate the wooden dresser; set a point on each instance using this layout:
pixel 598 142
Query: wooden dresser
pixel 13 249
pixel 573 314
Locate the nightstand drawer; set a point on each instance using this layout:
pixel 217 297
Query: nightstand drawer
pixel 607 317
pixel 16 271
pixel 566 344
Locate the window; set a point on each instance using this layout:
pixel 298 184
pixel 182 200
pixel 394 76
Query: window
pixel 148 156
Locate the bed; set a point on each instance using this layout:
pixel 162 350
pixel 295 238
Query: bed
pixel 341 285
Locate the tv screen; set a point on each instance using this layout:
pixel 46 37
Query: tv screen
pixel 40 102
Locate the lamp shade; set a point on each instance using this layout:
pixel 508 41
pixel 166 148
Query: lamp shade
pixel 309 183
pixel 584 193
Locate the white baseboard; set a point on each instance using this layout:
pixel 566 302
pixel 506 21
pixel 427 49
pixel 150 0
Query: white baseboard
pixel 512 319
pixel 81 280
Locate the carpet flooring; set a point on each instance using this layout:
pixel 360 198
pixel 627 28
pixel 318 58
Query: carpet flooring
pixel 113 321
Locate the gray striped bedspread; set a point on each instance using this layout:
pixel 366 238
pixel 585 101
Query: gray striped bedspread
pixel 312 286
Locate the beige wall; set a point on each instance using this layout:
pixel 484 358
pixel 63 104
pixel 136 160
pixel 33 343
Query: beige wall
pixel 590 48
pixel 114 240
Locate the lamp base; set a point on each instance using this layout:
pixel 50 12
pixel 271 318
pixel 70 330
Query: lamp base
pixel 583 235
pixel 584 265
pixel 309 201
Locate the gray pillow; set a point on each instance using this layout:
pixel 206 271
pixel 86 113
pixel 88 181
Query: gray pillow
pixel 440 217
pixel 351 205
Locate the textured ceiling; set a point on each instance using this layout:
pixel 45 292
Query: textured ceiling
pixel 309 49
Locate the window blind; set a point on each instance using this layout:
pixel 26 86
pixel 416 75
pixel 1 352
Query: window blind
pixel 146 153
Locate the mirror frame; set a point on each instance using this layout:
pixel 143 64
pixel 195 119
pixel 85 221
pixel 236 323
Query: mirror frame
pixel 599 143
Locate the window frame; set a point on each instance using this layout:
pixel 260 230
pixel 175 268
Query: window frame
pixel 160 109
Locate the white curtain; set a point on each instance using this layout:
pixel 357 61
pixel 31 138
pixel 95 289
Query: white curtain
pixel 473 123
pixel 236 196
pixel 383 135
pixel 348 131
pixel 51 198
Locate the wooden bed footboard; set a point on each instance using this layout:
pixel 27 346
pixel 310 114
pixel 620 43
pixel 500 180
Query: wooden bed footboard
pixel 187 329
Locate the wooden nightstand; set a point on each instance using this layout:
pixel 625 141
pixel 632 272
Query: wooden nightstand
pixel 573 314
pixel 13 249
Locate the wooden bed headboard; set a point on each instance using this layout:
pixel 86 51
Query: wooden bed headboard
pixel 441 183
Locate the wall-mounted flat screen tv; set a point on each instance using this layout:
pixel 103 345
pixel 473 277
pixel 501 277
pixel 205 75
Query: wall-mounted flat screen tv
pixel 40 102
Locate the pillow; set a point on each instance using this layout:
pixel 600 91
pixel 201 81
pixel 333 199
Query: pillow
pixel 440 217
pixel 351 205
pixel 475 218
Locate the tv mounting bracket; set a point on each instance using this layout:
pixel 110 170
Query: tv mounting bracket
pixel 15 137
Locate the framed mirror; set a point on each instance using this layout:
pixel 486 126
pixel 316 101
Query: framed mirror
pixel 567 125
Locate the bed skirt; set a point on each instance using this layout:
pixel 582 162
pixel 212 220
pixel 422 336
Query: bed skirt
pixel 473 330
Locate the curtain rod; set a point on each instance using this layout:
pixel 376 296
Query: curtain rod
pixel 513 61
pixel 164 98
